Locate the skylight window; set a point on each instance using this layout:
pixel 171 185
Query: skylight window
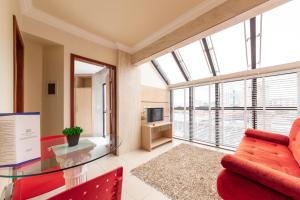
pixel 281 35
pixel 194 60
pixel 170 68
pixel 229 46
pixel 273 36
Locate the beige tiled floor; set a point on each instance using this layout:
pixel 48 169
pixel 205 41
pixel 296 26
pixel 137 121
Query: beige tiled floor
pixel 133 188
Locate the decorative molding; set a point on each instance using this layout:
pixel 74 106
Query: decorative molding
pixel 25 5
pixel 27 9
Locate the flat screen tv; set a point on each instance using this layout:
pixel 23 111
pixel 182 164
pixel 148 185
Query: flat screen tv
pixel 155 114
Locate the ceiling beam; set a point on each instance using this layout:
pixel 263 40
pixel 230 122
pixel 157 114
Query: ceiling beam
pixel 218 15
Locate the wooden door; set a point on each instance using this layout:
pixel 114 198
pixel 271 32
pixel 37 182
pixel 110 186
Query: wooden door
pixel 111 106
pixel 18 60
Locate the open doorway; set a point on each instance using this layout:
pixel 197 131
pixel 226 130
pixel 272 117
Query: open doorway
pixel 93 99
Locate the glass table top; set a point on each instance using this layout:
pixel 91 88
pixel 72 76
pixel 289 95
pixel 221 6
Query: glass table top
pixel 56 156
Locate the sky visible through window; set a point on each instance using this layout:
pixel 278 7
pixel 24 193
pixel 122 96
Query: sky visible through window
pixel 281 35
pixel 279 43
pixel 194 59
pixel 267 103
pixel 229 46
pixel 169 67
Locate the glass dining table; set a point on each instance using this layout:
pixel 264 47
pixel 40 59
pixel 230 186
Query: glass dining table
pixel 57 156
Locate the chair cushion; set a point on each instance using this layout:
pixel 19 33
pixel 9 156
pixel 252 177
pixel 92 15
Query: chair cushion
pixel 29 187
pixel 294 144
pixel 269 154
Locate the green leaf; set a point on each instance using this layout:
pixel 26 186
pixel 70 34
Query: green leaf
pixel 72 131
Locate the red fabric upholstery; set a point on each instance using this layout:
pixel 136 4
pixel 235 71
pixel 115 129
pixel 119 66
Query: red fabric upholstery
pixel 30 187
pixel 272 155
pixel 105 187
pixel 232 186
pixel 264 163
pixel 49 141
pixel 295 140
pixel 267 136
pixel 47 138
pixel 274 179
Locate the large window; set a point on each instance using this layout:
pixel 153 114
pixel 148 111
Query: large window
pixel 269 39
pixel 223 111
pixel 281 102
pixel 233 112
pixel 204 114
pixel 181 113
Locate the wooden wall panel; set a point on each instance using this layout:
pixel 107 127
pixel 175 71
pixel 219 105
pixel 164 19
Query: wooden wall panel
pixel 128 98
pixel 155 97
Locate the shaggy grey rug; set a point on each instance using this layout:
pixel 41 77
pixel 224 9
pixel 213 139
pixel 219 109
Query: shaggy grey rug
pixel 184 172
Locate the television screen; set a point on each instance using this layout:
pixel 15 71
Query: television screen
pixel 155 114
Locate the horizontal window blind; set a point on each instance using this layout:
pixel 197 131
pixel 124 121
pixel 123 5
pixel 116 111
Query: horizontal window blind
pixel 204 114
pixel 221 112
pixel 233 110
pixel 280 103
pixel 181 113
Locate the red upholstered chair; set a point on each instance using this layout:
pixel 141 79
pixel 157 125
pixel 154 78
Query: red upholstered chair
pixel 49 141
pixel 105 187
pixel 265 166
pixel 29 187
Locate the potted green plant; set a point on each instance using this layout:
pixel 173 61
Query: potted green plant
pixel 72 135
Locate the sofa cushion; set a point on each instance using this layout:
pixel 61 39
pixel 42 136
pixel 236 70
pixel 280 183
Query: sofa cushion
pixel 228 182
pixel 273 155
pixel 268 136
pixel 294 144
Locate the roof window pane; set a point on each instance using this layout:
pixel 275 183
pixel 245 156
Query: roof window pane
pixel 194 60
pixel 280 35
pixel 170 68
pixel 229 46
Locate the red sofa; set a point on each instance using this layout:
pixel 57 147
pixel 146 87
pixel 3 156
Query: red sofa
pixel 265 166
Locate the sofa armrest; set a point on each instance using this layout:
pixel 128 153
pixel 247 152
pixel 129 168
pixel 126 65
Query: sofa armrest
pixel 268 136
pixel 274 179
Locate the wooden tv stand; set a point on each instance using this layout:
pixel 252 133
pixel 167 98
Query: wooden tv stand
pixel 156 134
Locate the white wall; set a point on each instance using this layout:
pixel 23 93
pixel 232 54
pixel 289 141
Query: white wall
pixel 52 105
pixel 8 8
pixel 98 80
pixel 33 76
pixel 72 44
pixel 150 77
